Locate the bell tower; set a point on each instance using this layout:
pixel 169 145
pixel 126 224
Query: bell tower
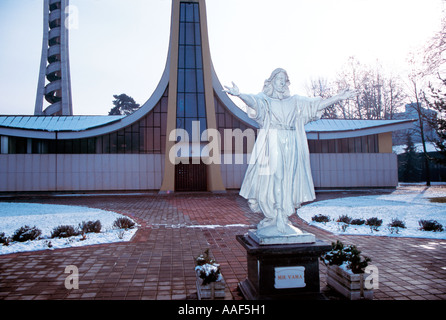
pixel 54 85
pixel 191 104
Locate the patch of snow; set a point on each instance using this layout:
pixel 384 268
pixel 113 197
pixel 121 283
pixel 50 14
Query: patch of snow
pixel 410 206
pixel 46 217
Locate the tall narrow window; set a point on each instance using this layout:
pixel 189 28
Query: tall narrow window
pixel 190 93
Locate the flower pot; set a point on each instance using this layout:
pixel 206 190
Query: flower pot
pixel 211 291
pixel 348 284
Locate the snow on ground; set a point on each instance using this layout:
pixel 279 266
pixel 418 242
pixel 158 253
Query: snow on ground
pixel 407 204
pixel 46 217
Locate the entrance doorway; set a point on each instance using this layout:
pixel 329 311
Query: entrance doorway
pixel 191 177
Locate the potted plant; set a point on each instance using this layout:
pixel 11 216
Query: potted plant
pixel 345 271
pixel 210 282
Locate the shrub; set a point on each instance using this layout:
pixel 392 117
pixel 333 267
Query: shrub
pixel 374 223
pixel 345 219
pixel 4 240
pixel 90 226
pixel 64 232
pixel 123 223
pixel 207 269
pixel 430 225
pixel 357 222
pixel 349 255
pixel 395 225
pixel 320 218
pixel 26 233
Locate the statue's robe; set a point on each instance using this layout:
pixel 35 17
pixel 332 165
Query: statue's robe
pixel 279 173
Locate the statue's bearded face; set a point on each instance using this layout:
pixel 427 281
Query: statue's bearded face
pixel 280 83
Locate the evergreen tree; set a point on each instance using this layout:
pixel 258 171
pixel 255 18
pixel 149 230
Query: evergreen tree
pixel 409 170
pixel 123 105
pixel 437 102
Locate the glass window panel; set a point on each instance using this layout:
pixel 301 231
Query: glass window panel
pixel 190 81
pixel 203 125
pixel 189 12
pixel 191 105
pixel 200 83
pixel 180 80
pixel 190 57
pixel 180 105
pixel 182 39
pixel 181 56
pixel 199 57
pixel 183 12
pixel 190 33
pixel 201 106
pixel 197 12
pixel 197 34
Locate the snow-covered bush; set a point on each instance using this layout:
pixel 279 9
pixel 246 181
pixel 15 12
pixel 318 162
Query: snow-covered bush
pixel 320 218
pixel 207 269
pixel 90 226
pixel 345 219
pixel 346 256
pixel 64 232
pixel 124 223
pixel 357 222
pixel 396 224
pixel 4 240
pixel 374 223
pixel 26 233
pixel 430 225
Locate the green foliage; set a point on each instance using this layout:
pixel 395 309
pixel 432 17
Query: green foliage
pixel 204 258
pixel 207 269
pixel 437 102
pixel 26 233
pixel 349 255
pixel 320 218
pixel 123 105
pixel 430 225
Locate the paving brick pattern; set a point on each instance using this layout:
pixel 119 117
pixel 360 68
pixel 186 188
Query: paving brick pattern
pixel 174 229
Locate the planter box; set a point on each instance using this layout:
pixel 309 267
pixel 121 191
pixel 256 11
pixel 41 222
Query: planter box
pixel 348 284
pixel 211 291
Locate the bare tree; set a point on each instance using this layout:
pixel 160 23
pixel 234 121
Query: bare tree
pixel 380 95
pixel 321 87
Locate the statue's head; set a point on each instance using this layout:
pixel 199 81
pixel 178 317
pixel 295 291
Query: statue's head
pixel 278 84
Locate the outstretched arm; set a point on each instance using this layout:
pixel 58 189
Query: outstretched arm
pixel 344 95
pixel 246 98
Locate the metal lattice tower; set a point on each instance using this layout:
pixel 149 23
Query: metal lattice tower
pixel 54 77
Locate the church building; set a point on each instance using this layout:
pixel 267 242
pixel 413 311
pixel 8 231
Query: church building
pixel 68 153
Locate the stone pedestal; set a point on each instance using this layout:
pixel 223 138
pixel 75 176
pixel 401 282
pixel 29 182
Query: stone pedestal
pixel 282 271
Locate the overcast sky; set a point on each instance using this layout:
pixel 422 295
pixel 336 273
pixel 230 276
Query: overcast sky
pixel 120 46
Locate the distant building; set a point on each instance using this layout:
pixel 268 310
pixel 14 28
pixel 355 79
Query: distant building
pixel 400 136
pixel 99 153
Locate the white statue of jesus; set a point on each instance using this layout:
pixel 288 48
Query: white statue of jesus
pixel 278 179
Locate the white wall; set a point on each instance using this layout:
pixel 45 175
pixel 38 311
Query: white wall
pixel 89 172
pixel 331 170
pixel 100 172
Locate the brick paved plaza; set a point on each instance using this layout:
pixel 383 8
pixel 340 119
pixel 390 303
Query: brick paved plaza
pixel 159 261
